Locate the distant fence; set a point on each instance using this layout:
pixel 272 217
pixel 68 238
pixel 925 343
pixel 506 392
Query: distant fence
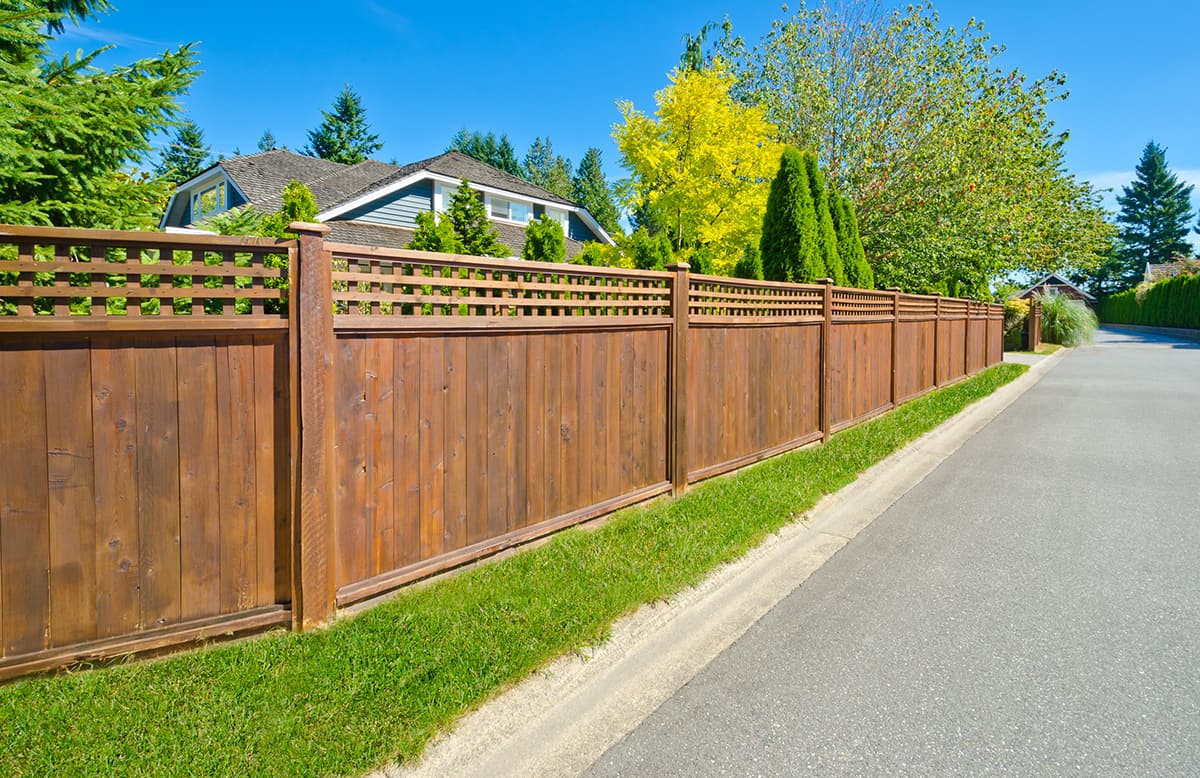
pixel 186 454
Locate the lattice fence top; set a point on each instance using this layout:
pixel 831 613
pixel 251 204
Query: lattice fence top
pixel 73 274
pixel 405 284
pixel 861 304
pixel 918 307
pixel 953 308
pixel 717 297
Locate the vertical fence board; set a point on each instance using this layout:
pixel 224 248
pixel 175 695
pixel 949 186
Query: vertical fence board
pixel 266 491
pixel 24 505
pixel 599 383
pixel 552 445
pixel 72 513
pixel 381 480
pixel 432 451
pixel 114 430
pixel 455 442
pixel 535 430
pixel 500 406
pixel 158 485
pixel 407 414
pixel 612 414
pixel 586 419
pixel 350 423
pixel 518 421
pixel 569 463
pixel 477 450
pixel 199 497
pixel 235 411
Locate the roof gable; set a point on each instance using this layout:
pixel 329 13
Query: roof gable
pixel 1054 279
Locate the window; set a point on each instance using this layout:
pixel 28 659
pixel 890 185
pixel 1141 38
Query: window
pixel 558 216
pixel 442 194
pixel 209 201
pixel 511 210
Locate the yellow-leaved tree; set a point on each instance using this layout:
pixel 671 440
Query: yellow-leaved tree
pixel 700 168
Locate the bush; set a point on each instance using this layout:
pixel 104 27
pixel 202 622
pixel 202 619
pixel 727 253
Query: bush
pixel 544 241
pixel 1015 313
pixel 1172 302
pixel 1066 320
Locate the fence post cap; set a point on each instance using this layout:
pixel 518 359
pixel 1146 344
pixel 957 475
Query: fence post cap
pixel 826 281
pixel 893 289
pixel 679 266
pixel 313 227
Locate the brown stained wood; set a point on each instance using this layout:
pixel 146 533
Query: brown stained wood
pixel 598 381
pixel 629 421
pixel 235 436
pixel 723 443
pixel 640 456
pixel 571 454
pixel 432 447
pixel 515 432
pixel 612 415
pixel 475 483
pixel 199 489
pixel 114 431
pixel 282 447
pixel 379 372
pixel 350 425
pixel 264 468
pixel 659 382
pixel 158 485
pixel 499 410
pixel 457 431
pixel 72 501
pixel 586 418
pixel 552 439
pixel 406 394
pixel 535 430
pixel 24 509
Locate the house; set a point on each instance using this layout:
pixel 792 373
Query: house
pixel 1056 283
pixel 1157 272
pixel 374 203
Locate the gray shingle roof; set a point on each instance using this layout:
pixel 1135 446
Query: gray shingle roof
pixel 263 176
pixel 369 234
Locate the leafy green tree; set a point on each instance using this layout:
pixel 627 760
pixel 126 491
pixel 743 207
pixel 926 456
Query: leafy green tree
pixel 700 165
pixel 185 155
pixel 470 221
pixel 850 249
pixel 544 241
pixel 1155 211
pixel 827 246
pixel 789 243
pixel 344 135
pixel 590 189
pixel 497 152
pixel 952 163
pixel 267 142
pixel 546 169
pixel 434 234
pixel 72 134
pixel 750 265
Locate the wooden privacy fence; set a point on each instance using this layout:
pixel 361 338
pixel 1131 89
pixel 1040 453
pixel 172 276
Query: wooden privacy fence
pixel 189 453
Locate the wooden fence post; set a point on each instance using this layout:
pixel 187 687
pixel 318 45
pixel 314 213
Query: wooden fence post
pixel 311 322
pixel 826 328
pixel 895 290
pixel 967 340
pixel 937 327
pixel 677 432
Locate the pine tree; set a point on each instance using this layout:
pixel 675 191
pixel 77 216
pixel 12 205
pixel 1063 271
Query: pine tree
pixel 267 142
pixel 590 189
pixel 546 169
pixel 469 218
pixel 344 135
pixel 185 155
pixel 544 241
pixel 826 236
pixel 850 249
pixel 1155 211
pixel 71 133
pixel 497 152
pixel 789 235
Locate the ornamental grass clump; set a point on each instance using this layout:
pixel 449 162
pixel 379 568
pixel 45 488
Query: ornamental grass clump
pixel 1067 321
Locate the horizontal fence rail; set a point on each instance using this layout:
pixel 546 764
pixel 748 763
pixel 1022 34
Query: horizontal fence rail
pixel 217 434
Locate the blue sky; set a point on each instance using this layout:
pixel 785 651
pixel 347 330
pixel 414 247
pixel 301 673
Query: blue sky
pixel 426 69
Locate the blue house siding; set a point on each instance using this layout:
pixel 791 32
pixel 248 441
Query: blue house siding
pixel 398 209
pixel 577 230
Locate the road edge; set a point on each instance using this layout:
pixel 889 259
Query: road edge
pixel 564 717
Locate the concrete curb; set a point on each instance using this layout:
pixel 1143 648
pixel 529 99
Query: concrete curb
pixel 559 721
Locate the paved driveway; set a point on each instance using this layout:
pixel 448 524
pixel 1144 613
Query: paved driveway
pixel 1032 607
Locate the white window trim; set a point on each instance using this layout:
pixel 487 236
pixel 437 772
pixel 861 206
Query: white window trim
pixel 196 213
pixel 487 203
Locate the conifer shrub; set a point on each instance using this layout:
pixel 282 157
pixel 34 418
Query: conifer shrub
pixel 750 265
pixel 827 245
pixel 544 241
pixel 1172 302
pixel 850 248
pixel 649 252
pixel 789 243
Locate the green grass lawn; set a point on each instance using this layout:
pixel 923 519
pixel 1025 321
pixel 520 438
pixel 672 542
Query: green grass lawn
pixel 376 688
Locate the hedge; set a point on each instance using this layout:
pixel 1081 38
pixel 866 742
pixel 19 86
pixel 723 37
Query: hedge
pixel 1172 302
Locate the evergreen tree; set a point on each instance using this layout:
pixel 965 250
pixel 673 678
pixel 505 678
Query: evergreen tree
pixel 789 243
pixel 267 142
pixel 185 156
pixel 470 220
pixel 547 170
pixel 344 135
pixel 590 189
pixel 72 134
pixel 826 236
pixel 649 252
pixel 850 248
pixel 544 241
pixel 750 265
pixel 497 152
pixel 434 234
pixel 1155 211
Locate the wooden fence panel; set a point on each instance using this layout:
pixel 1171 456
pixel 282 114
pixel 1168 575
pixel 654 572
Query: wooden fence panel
pixel 133 501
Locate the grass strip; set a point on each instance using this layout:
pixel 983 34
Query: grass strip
pixel 376 688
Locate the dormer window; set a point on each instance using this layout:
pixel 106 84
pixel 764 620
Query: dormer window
pixel 509 210
pixel 209 201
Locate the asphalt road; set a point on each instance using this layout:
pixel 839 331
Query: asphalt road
pixel 1031 608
